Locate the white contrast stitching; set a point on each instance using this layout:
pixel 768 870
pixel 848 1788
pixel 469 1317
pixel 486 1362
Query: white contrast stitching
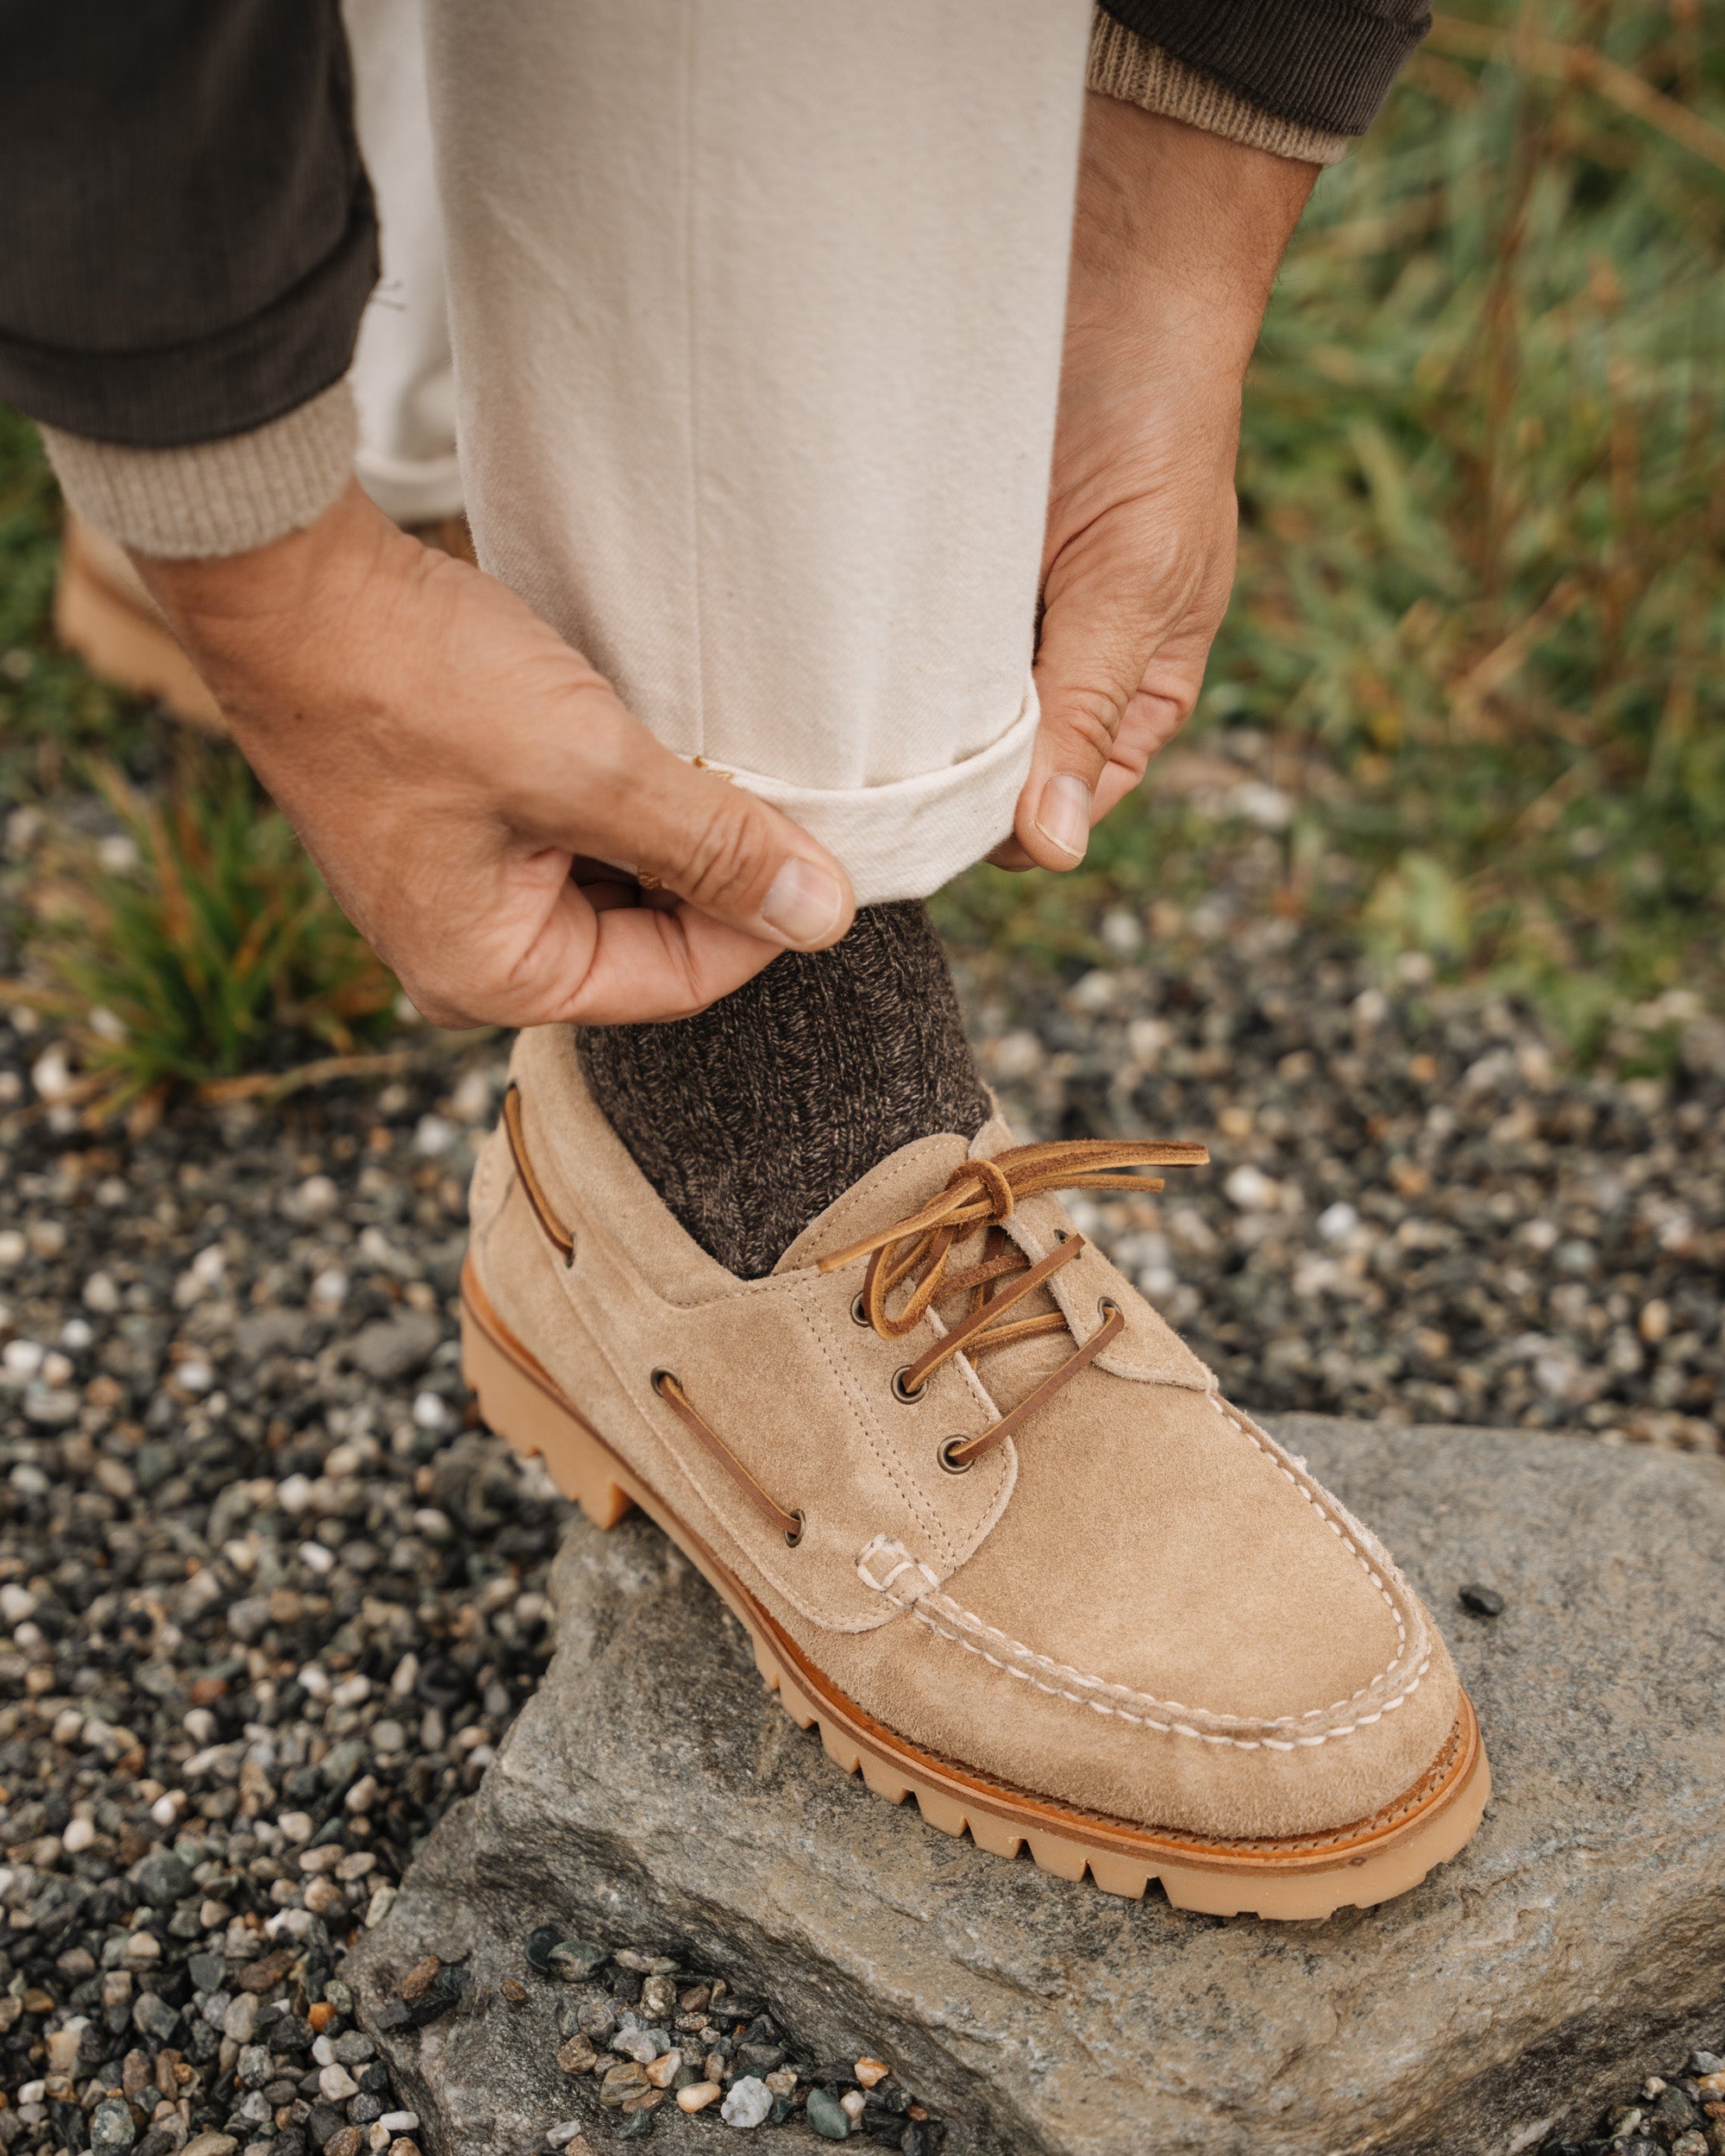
pixel 884 1548
pixel 1178 1729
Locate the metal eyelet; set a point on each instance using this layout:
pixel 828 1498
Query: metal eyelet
pixel 792 1540
pixel 1106 1308
pixel 658 1379
pixel 902 1393
pixel 859 1312
pixel 943 1454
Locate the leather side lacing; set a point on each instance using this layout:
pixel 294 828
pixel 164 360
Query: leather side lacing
pixel 985 1194
pixel 979 1193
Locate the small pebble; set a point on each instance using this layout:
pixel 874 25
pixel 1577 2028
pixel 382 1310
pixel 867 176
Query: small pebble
pixel 868 2072
pixel 748 2103
pixel 1483 1602
pixel 698 2096
pixel 852 2105
pixel 827 2116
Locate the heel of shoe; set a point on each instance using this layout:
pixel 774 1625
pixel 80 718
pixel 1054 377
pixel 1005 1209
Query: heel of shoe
pixel 536 1425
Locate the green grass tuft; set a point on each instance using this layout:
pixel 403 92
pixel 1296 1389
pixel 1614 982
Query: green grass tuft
pixel 215 951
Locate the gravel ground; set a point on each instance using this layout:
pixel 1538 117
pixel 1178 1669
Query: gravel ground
pixel 1413 1211
pixel 269 1600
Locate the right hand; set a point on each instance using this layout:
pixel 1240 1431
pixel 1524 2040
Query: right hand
pixel 470 787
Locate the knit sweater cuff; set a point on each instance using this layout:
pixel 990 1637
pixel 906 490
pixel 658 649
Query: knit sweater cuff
pixel 214 497
pixel 1127 66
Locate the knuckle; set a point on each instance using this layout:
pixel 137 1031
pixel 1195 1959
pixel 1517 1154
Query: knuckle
pixel 1088 716
pixel 729 857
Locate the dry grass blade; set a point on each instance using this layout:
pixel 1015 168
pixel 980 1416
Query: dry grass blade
pixel 1582 65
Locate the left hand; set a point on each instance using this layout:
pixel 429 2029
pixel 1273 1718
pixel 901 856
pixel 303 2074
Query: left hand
pixel 1176 240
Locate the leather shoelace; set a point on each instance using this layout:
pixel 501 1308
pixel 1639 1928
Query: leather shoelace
pixel 985 1194
pixel 979 1193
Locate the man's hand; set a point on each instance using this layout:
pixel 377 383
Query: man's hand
pixel 1176 241
pixel 470 787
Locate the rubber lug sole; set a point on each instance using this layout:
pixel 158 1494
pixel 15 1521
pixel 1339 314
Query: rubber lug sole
pixel 1297 1880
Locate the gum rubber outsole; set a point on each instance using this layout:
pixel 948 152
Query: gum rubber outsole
pixel 1298 1879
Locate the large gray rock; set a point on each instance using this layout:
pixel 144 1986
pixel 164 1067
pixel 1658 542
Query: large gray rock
pixel 653 1793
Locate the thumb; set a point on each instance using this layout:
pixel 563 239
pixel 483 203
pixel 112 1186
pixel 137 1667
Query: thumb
pixel 726 852
pixel 1088 667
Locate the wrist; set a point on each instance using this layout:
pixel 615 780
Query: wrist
pixel 1177 237
pixel 280 602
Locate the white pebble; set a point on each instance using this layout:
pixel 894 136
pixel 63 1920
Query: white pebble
pixel 78 1835
pixel 1337 1222
pixel 471 1100
pixel 430 1412
pixel 337 2084
pixel 1251 1190
pixel 22 1360
pixel 749 2104
pixel 851 2104
pixel 315 1558
pixel 75 1336
pixel 433 1136
pixel 315 1200
pixel 293 1494
pixel 11 1248
pixel 193 1375
pixel 16 1603
pixel 297 1826
pixel 199 1724
pixel 352 1690
pixel 52 1076
pixel 699 2094
pixel 329 1290
pixel 400 2121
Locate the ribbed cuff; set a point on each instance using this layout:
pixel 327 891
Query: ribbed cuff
pixel 214 497
pixel 1127 66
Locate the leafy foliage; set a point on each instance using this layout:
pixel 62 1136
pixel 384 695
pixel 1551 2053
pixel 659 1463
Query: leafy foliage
pixel 207 947
pixel 1479 623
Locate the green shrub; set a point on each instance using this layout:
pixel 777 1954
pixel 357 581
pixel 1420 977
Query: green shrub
pixel 216 952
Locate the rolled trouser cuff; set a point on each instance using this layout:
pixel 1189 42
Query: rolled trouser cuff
pixel 905 839
pixel 213 498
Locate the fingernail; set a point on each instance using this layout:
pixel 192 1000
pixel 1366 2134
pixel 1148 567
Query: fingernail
pixel 1063 815
pixel 803 902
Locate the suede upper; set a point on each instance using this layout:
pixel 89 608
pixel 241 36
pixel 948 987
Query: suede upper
pixel 1137 1605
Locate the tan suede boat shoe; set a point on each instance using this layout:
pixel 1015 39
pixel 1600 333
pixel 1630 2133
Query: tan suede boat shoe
pixel 987 1520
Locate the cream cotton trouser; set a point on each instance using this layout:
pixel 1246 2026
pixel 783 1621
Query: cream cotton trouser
pixel 756 308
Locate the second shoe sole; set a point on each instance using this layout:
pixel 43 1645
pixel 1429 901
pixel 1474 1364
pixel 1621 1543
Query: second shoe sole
pixel 1303 1877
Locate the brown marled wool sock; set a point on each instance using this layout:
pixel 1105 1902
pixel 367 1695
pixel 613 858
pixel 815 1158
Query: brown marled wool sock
pixel 751 1118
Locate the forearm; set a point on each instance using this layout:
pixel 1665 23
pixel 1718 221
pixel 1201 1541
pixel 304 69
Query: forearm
pixel 1178 237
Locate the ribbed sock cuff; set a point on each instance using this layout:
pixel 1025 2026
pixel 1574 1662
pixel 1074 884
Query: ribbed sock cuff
pixel 213 498
pixel 1127 66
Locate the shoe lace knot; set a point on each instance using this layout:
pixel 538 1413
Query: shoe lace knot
pixel 984 1193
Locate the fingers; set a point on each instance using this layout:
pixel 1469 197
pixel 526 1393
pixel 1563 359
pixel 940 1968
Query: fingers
pixel 1087 671
pixel 722 851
